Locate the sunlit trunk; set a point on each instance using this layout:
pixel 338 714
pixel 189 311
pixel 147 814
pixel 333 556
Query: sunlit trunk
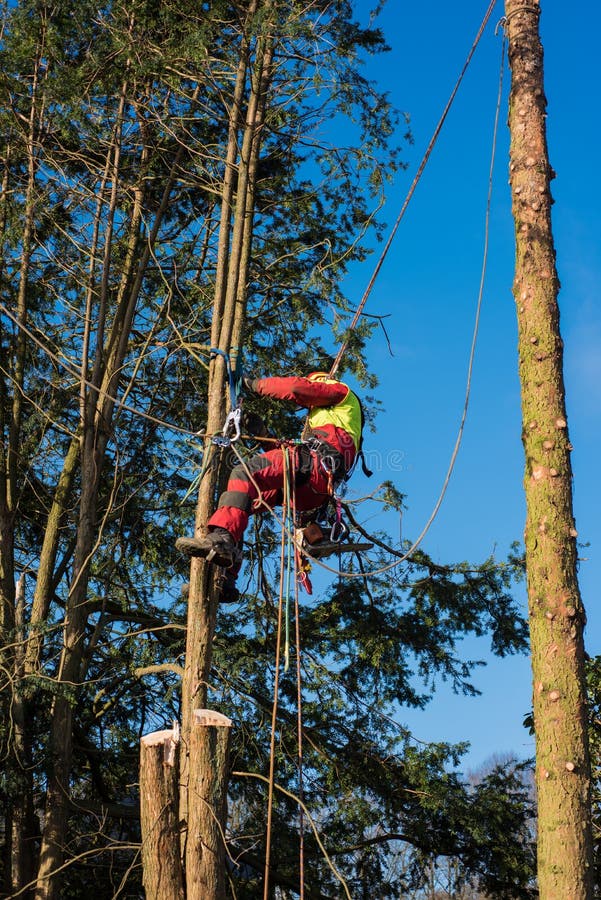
pixel 557 616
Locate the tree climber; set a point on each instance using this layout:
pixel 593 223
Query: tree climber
pixel 324 458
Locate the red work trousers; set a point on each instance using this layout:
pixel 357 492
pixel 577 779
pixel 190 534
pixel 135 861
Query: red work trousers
pixel 261 481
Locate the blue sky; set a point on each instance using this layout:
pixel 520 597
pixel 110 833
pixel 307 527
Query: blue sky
pixel 429 286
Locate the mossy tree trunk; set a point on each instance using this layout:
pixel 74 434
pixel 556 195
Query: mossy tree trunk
pixel 555 607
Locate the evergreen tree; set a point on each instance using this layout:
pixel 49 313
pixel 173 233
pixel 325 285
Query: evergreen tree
pixel 116 124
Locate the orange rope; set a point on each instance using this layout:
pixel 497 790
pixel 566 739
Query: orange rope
pixel 299 716
pixel 276 684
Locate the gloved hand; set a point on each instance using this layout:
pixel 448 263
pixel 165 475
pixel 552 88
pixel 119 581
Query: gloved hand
pixel 249 384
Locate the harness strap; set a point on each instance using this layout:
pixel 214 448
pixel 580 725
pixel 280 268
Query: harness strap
pixel 232 381
pixel 331 459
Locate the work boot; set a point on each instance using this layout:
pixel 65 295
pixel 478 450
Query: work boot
pixel 228 592
pixel 217 547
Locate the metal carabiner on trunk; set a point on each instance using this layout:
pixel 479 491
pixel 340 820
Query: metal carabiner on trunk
pixel 232 422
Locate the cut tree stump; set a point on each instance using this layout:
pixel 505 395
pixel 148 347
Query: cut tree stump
pixel 159 792
pixel 207 805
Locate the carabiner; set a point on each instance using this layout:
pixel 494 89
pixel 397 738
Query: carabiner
pixel 339 531
pixel 232 422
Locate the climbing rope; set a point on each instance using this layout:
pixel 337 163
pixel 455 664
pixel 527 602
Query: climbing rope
pixel 292 546
pixel 289 527
pixel 410 193
pixel 293 565
pixel 287 566
pixel 276 680
pixel 299 742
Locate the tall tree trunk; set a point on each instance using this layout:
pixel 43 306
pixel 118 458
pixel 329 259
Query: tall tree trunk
pixel 18 755
pixel 92 446
pixel 250 151
pixel 228 318
pixel 230 175
pixel 10 453
pixel 565 863
pixel 70 674
pixel 22 849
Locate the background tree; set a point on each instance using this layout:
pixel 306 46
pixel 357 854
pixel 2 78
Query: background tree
pixel 593 674
pixel 565 863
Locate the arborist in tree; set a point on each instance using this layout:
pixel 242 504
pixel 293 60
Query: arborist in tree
pixel 325 457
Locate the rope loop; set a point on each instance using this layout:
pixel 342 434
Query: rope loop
pixel 525 7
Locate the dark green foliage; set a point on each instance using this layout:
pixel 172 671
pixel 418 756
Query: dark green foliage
pixel 593 675
pixel 366 650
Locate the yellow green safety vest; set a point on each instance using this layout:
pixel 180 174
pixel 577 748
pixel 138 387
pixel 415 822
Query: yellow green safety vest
pixel 346 415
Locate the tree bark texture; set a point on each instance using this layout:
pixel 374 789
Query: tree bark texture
pixel 207 816
pixel 227 321
pixel 23 828
pixel 17 756
pixel 159 820
pixel 556 611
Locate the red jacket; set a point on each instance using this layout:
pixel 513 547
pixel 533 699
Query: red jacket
pixel 310 394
